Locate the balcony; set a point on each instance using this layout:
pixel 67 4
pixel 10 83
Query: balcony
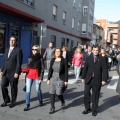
pixel 30 3
pixel 114 31
pixel 115 42
pixel 113 25
pixel 115 36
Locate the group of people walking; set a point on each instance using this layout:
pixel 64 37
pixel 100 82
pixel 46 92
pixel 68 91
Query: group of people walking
pixel 88 62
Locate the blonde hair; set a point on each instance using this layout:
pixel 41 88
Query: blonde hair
pixel 79 49
pixel 37 47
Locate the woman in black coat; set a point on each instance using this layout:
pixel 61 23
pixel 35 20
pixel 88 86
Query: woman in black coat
pixel 105 57
pixel 57 78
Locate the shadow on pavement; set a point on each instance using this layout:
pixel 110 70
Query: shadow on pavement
pixel 108 103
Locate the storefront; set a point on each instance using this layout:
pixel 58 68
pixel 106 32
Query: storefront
pixel 18 25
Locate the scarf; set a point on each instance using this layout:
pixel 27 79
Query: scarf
pixel 35 61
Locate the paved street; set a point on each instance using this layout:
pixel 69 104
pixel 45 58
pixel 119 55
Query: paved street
pixel 109 108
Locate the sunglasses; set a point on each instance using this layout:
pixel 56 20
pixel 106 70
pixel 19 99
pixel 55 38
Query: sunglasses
pixel 35 49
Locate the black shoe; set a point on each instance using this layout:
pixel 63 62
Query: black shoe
pixel 12 105
pixel 86 111
pixel 94 113
pixel 27 107
pixel 41 103
pixel 63 105
pixel 5 104
pixel 52 110
pixel 24 89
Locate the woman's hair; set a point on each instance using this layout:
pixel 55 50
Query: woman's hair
pixel 79 49
pixel 36 47
pixel 60 52
pixel 65 47
pixel 104 52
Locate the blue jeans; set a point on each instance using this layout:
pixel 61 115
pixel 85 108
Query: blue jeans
pixel 77 71
pixel 29 83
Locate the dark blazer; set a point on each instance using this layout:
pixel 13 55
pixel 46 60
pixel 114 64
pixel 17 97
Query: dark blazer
pixel 63 71
pixel 99 69
pixel 12 64
pixel 85 55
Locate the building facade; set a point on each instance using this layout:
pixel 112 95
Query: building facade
pixel 63 22
pixel 111 32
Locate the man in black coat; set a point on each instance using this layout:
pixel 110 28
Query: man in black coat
pixel 10 72
pixel 94 76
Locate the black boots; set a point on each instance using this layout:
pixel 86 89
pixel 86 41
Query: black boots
pixel 27 107
pixel 41 103
pixel 52 110
pixel 63 105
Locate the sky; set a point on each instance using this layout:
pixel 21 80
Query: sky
pixel 107 9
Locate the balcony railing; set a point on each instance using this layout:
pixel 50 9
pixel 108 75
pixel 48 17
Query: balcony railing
pixel 30 3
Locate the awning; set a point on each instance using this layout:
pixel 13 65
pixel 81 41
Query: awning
pixel 18 13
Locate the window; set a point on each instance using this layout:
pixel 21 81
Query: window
pixel 35 40
pixel 84 28
pixel 74 3
pixel 67 42
pixel 72 44
pixel 85 10
pixel 64 17
pixel 62 42
pixel 77 43
pixel 30 3
pixel 79 7
pixel 53 40
pixel 90 30
pixel 3 29
pixel 73 22
pixel 91 13
pixel 54 12
pixel 78 26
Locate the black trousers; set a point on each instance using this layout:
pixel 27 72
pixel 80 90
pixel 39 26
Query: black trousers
pixel 95 96
pixel 14 89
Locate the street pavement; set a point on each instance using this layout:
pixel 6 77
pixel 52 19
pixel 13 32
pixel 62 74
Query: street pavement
pixel 109 104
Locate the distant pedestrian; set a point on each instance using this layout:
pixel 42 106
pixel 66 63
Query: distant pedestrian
pixel 49 52
pixel 10 72
pixel 94 76
pixel 57 78
pixel 35 72
pixel 65 54
pixel 110 52
pixel 77 62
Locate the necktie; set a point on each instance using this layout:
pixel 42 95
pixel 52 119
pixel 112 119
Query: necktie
pixel 95 59
pixel 10 50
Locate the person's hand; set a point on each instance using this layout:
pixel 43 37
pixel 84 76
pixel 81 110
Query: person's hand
pixel 103 82
pixel 1 73
pixel 66 83
pixel 48 82
pixel 83 81
pixel 15 75
pixel 40 81
pixel 82 65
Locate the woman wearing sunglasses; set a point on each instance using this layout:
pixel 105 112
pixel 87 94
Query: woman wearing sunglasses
pixel 34 75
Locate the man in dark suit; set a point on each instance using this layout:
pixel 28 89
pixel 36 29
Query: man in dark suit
pixel 10 72
pixel 94 76
pixel 85 54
